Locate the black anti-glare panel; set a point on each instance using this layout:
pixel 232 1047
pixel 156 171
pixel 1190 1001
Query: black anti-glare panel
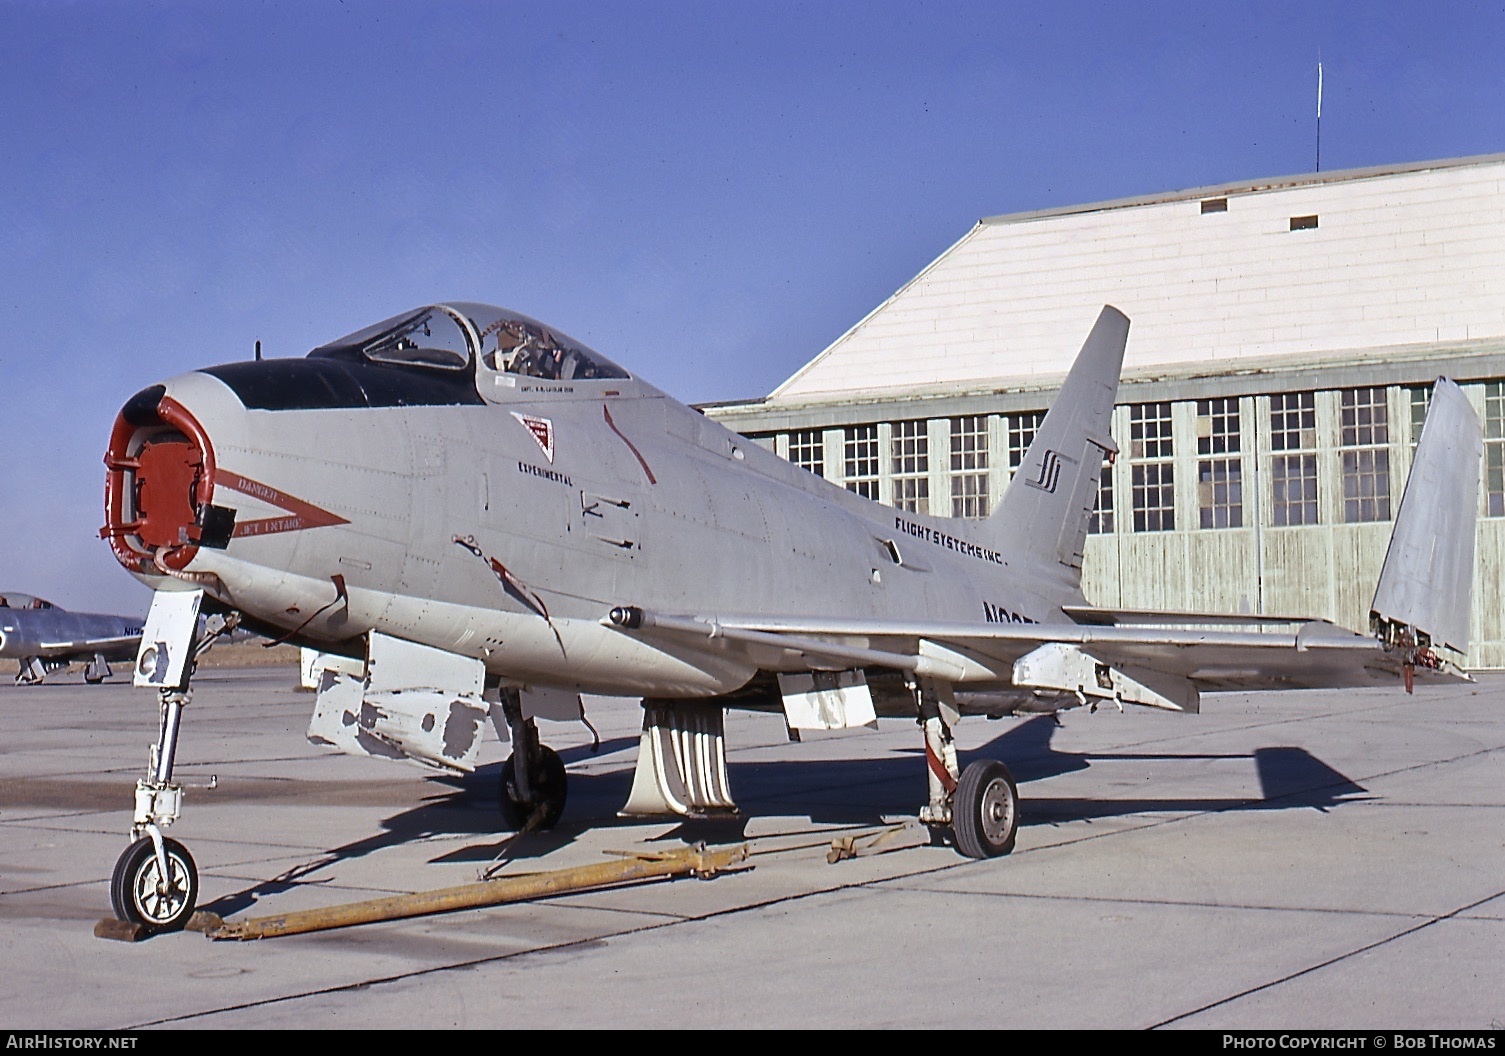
pixel 313 384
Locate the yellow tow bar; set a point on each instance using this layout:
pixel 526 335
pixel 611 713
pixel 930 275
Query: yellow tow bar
pixel 633 866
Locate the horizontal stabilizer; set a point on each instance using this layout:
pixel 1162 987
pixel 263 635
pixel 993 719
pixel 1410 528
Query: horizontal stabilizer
pixel 1424 587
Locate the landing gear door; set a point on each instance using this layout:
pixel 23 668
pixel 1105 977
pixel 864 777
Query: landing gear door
pixel 167 640
pixel 413 702
pixel 827 700
pixel 548 702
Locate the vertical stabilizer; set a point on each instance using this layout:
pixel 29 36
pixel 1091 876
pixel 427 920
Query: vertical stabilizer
pixel 1425 584
pixel 1044 513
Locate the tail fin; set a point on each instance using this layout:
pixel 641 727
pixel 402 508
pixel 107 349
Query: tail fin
pixel 1425 584
pixel 1044 513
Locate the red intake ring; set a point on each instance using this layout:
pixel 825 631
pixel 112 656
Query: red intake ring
pixel 166 482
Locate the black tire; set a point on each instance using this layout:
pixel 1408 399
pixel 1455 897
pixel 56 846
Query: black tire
pixel 550 786
pixel 137 895
pixel 985 810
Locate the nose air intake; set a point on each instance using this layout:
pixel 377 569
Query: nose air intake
pixel 159 478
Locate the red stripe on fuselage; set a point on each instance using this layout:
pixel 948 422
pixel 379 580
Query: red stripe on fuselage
pixel 302 514
pixel 636 453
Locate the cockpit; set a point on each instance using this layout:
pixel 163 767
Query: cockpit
pixel 453 337
pixel 441 354
pixel 12 600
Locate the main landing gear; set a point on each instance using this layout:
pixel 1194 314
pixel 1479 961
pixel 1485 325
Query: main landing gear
pixel 533 786
pixel 985 810
pixel 979 804
pixel 97 670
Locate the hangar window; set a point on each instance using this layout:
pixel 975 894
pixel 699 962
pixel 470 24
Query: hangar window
pixel 1364 441
pixel 1151 471
pixel 807 450
pixel 1022 429
pixel 969 466
pixel 1293 462
pixel 910 458
pixel 1220 486
pixel 1494 448
pixel 860 460
pixel 1214 205
pixel 1303 223
pixel 1418 398
pixel 1102 510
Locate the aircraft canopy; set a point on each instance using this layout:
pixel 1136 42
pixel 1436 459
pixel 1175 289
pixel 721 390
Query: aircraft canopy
pixel 10 599
pixel 452 337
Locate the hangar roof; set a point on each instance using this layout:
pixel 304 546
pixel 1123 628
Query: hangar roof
pixel 1335 267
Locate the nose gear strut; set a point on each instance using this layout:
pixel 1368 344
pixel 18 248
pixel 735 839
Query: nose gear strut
pixel 155 884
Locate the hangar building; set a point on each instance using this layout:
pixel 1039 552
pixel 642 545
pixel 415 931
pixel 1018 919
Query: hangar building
pixel 1285 334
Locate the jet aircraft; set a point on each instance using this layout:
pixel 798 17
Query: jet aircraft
pixel 496 519
pixel 42 638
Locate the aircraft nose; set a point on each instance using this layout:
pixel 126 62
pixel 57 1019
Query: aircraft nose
pixel 159 479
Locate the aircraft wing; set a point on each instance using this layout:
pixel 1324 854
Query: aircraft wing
pixel 1165 664
pixel 87 646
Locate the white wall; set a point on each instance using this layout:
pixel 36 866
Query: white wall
pixel 1400 258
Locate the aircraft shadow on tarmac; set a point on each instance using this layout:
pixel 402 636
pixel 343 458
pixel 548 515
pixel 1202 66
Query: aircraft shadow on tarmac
pixel 855 792
pixel 1289 778
pixel 870 791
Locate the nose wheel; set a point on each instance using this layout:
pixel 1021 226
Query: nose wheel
pixel 156 890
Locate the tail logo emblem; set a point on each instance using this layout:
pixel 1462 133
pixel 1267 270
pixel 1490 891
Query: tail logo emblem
pixel 1050 473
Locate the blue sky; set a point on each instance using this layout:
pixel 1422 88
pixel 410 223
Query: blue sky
pixel 707 192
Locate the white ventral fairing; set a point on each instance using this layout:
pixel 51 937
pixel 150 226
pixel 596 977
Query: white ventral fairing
pixel 489 519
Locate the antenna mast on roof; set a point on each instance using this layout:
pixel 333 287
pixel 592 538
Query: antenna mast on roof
pixel 1319 111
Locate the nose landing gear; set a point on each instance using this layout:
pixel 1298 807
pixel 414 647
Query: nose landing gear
pixel 155 883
